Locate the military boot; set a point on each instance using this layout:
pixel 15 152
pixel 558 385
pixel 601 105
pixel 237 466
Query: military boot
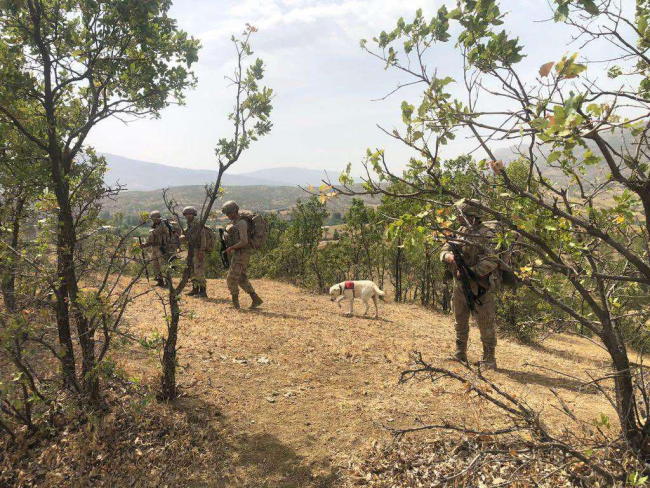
pixel 235 301
pixel 489 360
pixel 160 282
pixel 195 291
pixel 202 292
pixel 257 301
pixel 461 351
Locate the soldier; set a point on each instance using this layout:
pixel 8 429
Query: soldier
pixel 198 261
pixel 476 248
pixel 162 239
pixel 238 241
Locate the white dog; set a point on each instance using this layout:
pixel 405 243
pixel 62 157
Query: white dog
pixel 363 290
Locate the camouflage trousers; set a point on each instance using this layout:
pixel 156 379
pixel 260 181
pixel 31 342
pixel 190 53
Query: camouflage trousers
pixel 160 260
pixel 237 273
pixel 198 269
pixel 485 315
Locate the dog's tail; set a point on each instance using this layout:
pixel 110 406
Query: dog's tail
pixel 378 291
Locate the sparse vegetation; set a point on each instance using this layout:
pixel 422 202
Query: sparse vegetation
pixel 93 389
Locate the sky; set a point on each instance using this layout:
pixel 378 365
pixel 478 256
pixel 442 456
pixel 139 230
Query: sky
pixel 324 115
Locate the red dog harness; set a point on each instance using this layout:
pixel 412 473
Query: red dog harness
pixel 348 285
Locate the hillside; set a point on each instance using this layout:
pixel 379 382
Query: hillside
pixel 595 173
pixel 257 198
pixel 143 176
pixel 295 394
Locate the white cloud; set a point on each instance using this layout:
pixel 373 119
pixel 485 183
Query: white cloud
pixel 323 115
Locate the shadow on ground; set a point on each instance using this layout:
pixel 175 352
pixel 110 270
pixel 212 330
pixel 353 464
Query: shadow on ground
pixel 570 355
pixel 257 460
pixel 544 379
pixel 266 313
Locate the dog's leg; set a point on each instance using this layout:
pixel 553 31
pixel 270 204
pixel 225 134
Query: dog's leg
pixel 351 306
pixel 374 299
pixel 339 299
pixel 367 307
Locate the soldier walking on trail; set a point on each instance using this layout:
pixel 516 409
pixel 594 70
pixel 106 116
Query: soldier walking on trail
pixel 197 272
pixel 238 239
pixel 163 240
pixel 475 243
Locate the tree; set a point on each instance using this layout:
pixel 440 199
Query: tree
pixel 586 238
pixel 250 121
pixel 66 66
pixel 365 228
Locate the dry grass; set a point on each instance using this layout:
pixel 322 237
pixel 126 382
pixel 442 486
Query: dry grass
pixel 318 386
pixel 292 394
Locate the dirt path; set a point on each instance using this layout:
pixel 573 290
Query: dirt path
pixel 301 388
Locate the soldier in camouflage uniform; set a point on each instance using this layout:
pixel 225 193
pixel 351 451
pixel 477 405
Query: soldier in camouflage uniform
pixel 477 250
pixel 240 252
pixel 162 240
pixel 198 261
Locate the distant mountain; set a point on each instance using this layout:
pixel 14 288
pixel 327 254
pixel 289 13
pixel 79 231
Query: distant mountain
pixel 294 176
pixel 143 176
pixel 593 174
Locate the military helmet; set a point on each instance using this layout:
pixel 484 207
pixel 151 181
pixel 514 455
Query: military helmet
pixel 154 214
pixel 229 207
pixel 469 208
pixel 190 209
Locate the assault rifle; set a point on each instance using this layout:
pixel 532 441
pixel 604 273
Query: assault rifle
pixel 222 252
pixel 466 274
pixel 144 259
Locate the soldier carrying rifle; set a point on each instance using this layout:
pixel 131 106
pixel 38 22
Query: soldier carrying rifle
pixel 475 267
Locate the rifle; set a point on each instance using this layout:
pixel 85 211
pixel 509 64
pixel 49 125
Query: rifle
pixel 466 274
pixel 144 259
pixel 222 252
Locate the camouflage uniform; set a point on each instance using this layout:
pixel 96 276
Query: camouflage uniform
pixel 477 249
pixel 198 261
pixel 163 245
pixel 236 232
pixel 197 273
pixel 161 240
pixel 237 235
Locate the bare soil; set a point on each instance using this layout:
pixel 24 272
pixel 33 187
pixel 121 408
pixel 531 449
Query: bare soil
pixel 293 391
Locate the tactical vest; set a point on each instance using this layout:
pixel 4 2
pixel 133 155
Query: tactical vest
pixel 232 233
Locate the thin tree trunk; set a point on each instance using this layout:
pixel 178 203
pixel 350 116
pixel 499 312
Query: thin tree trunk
pixel 168 380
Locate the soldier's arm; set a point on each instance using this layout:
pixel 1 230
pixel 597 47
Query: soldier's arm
pixel 149 241
pixel 446 255
pixel 242 227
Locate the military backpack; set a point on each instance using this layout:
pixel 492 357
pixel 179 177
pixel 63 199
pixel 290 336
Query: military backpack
pixel 210 238
pixel 258 229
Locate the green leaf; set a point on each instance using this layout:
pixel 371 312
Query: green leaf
pixel 554 156
pixel 642 23
pixel 455 14
pixel 590 7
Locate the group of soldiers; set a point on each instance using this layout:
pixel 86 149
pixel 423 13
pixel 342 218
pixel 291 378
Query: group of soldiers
pixel 165 238
pixel 474 247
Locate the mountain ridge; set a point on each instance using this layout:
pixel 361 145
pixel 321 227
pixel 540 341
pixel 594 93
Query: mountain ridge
pixel 140 175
